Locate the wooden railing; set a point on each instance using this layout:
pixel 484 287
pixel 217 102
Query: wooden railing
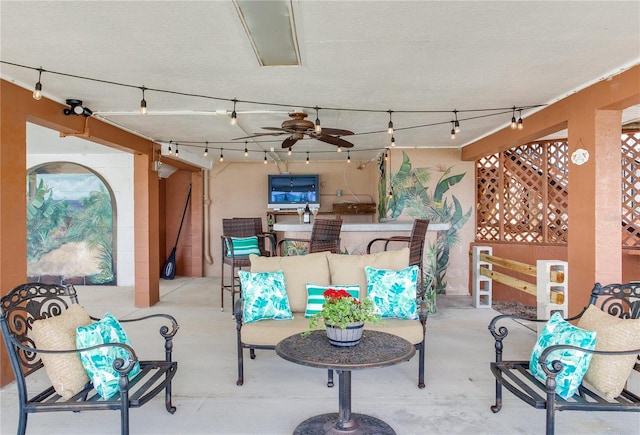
pixel 550 286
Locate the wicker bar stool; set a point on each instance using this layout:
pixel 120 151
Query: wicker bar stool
pixel 240 227
pixel 416 246
pixel 325 236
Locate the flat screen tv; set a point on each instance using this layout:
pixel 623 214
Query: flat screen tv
pixel 293 191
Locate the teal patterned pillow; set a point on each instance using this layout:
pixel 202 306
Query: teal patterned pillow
pixel 242 246
pixel 393 291
pixel 264 295
pixel 315 300
pixel 559 331
pixel 99 362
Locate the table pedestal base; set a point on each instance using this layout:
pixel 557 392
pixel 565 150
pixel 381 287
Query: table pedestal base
pixel 327 424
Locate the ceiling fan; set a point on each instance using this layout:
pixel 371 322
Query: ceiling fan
pixel 298 127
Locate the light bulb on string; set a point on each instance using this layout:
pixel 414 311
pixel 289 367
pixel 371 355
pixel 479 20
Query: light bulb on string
pixel 456 123
pixel 143 107
pixel 348 156
pixel 170 152
pixel 289 151
pixel 177 150
pixel 390 126
pixel 246 151
pixel 234 115
pixel 339 149
pixel 265 157
pixel 317 127
pixel 206 149
pixel 221 156
pixel 393 141
pixel 453 131
pixel 520 122
pixel 514 124
pixel 37 92
pixel 307 162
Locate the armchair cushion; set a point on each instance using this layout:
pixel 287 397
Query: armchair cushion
pixel 393 291
pixel 607 373
pixel 315 297
pixel 65 371
pixel 242 246
pixel 99 362
pixel 265 296
pixel 575 363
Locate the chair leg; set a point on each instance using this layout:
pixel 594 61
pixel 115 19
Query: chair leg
pixel 22 424
pixel 222 286
pixel 421 354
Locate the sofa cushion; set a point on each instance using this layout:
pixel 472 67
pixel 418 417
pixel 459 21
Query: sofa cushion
pixel 265 296
pixel 270 332
pixel 349 269
pixel 608 374
pixel 575 363
pixel 393 292
pixel 99 362
pixel 315 297
pixel 65 371
pixel 298 271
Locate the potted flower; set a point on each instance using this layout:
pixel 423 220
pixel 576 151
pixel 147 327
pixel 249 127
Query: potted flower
pixel 344 317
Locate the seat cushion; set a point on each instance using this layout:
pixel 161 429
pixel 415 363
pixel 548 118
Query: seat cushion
pixel 270 332
pixel 298 271
pixel 265 296
pixel 65 371
pixel 559 331
pixel 608 374
pixel 349 269
pixel 99 362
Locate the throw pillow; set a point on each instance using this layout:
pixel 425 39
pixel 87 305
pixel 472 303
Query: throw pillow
pixel 315 299
pixel 575 363
pixel 349 269
pixel 393 291
pixel 265 296
pixel 242 246
pixel 99 362
pixel 608 374
pixel 298 271
pixel 65 371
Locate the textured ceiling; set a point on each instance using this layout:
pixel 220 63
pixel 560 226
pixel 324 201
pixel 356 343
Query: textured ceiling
pixel 369 55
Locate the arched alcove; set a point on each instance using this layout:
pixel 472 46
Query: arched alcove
pixel 71 231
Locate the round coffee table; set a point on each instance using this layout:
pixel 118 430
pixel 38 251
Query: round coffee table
pixel 376 349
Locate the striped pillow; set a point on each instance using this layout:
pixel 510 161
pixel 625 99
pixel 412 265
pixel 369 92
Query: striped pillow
pixel 315 300
pixel 242 246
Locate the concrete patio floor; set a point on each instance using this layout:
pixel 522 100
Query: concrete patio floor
pixel 278 395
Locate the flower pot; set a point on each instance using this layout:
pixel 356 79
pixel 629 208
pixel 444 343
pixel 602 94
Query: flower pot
pixel 348 337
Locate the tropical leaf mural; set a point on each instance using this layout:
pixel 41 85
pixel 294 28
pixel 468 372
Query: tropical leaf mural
pixel 412 195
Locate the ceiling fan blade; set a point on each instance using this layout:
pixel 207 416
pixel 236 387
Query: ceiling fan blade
pixel 274 128
pixel 339 142
pixel 258 135
pixel 288 142
pixel 336 131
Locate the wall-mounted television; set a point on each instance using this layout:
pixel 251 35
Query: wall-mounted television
pixel 293 191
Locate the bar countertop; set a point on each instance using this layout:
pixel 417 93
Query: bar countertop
pixel 363 227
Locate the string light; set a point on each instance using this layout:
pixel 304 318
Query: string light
pixel 453 131
pixel 37 92
pixel 143 107
pixel 234 115
pixel 317 127
pixel 386 155
pixel 348 156
pixel 514 124
pixel 289 151
pixel 391 191
pixel 177 150
pixel 307 162
pixel 390 126
pixel 206 150
pixel 221 156
pixel 246 151
pixel 265 157
pixel 456 123
pixel 393 141
pixel 520 124
pixel 170 152
pixel 339 149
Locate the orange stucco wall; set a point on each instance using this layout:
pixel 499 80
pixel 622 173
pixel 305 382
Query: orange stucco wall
pixel 593 120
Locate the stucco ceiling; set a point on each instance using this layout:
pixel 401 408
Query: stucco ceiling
pixel 369 55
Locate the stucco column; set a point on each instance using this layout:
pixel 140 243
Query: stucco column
pixel 594 249
pixel 146 232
